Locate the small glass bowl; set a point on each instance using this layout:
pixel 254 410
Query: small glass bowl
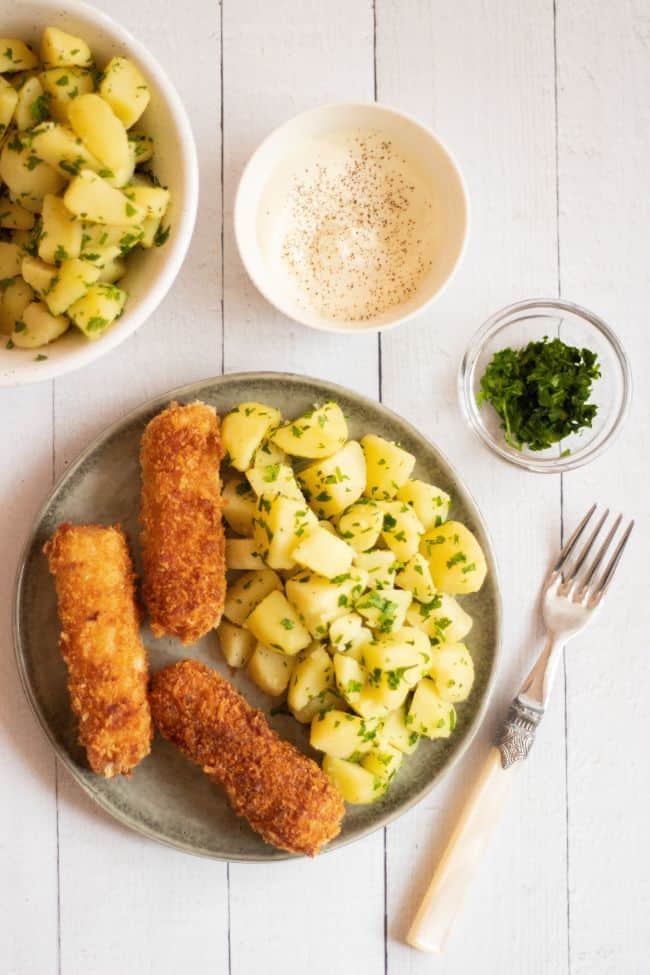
pixel 529 321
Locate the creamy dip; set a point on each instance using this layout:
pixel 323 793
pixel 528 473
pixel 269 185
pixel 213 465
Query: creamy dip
pixel 348 222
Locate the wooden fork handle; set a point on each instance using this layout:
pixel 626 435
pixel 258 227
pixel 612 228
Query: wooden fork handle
pixel 434 920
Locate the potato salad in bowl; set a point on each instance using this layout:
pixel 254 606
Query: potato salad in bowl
pixel 345 588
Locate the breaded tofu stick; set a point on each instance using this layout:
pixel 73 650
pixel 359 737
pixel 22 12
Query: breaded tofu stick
pixel 183 544
pixel 283 794
pixel 101 645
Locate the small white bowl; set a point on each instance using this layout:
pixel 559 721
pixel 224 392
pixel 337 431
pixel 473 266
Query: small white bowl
pixel 150 273
pixel 302 135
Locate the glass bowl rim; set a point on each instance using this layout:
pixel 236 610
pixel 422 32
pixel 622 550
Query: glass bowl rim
pixel 470 409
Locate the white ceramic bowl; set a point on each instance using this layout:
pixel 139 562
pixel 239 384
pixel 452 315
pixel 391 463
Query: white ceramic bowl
pixel 150 273
pixel 301 135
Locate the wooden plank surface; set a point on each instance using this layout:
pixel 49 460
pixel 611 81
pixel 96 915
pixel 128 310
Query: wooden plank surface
pixel 547 110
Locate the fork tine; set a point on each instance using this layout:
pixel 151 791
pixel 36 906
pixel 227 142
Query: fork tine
pixel 580 561
pixel 600 555
pixel 571 543
pixel 608 574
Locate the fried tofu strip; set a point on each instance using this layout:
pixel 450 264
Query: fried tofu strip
pixel 283 794
pixel 101 645
pixel 183 544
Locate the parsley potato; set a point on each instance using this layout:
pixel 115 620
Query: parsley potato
pixel 275 623
pixel 429 715
pixel 244 429
pixel 443 618
pixel 343 735
pixel 388 467
pixel 336 482
pixel 317 433
pixel 239 505
pixel 452 671
pixel 37 274
pixel 235 643
pixel 271 671
pixel 312 686
pixel 249 590
pixel 361 524
pixel 38 326
pixel 455 558
pixel 356 784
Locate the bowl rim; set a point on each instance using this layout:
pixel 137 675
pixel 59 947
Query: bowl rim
pixel 189 390
pixel 351 328
pixel 470 409
pixel 29 373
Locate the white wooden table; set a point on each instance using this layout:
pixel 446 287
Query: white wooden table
pixel 547 107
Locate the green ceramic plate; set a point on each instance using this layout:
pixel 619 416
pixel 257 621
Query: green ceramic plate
pixel 167 798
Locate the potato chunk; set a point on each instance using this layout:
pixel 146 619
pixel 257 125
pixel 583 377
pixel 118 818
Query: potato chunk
pixel 63 85
pixel 13 301
pixel 92 198
pixel 244 429
pixel 322 552
pixel 60 237
pixel 360 524
pixel 29 179
pixel 249 590
pixel 404 656
pixel 62 149
pixel 236 644
pixel 317 433
pixel 275 623
pixel 10 260
pixel 38 274
pixel 452 671
pixel 73 279
pixel 381 567
pixel 274 479
pixel 38 326
pixel 62 50
pixel 15 55
pixel 356 784
pixel 384 609
pixel 416 577
pixel 8 102
pixel 388 467
pixel 348 635
pixel 455 558
pixel 343 735
pixel 320 601
pixel 241 553
pixel 271 671
pixel 401 529
pixel 125 90
pixel 101 305
pixel 279 525
pixel 312 686
pixel 335 483
pixel 32 105
pixel 428 714
pixel 14 217
pixel 442 619
pixel 430 504
pixel 384 762
pixel 101 130
pixel 240 505
pixel 154 200
pixel 396 732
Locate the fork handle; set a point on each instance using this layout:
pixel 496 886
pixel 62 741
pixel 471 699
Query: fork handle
pixel 482 811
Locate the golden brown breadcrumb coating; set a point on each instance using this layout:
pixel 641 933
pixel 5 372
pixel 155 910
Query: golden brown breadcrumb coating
pixel 283 794
pixel 101 645
pixel 182 539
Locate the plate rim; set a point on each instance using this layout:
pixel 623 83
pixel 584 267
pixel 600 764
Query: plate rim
pixel 63 755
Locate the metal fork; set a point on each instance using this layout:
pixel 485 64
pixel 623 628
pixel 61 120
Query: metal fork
pixel 572 594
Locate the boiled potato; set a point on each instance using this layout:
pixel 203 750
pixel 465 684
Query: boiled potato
pixel 452 671
pixel 92 198
pixel 241 553
pixel 441 619
pixel 384 762
pixel 275 623
pixel 322 552
pixel 62 149
pixel 14 217
pixel 348 634
pixel 343 735
pixel 236 644
pixel 312 686
pixel 388 467
pixel 430 504
pixel 350 677
pixel 361 524
pixel 271 671
pixel 384 609
pixel 8 102
pixel 31 106
pixel 274 479
pixel 317 433
pixel 249 590
pixel 320 601
pixel 100 130
pixel 100 306
pixel 111 270
pixel 244 429
pixel 428 714
pixel 62 50
pixel 15 55
pixel 336 482
pixel 404 656
pixel 60 238
pixel 29 179
pixel 267 455
pixel 396 732
pixel 279 524
pixel 356 784
pixel 143 147
pixel 455 558
pixel 154 200
pixel 401 529
pixel 381 567
pixel 38 326
pixel 240 505
pixel 377 701
pixel 39 275
pixel 73 279
pixel 63 85
pixel 416 577
pixel 125 90
pixel 14 299
pixel 10 260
